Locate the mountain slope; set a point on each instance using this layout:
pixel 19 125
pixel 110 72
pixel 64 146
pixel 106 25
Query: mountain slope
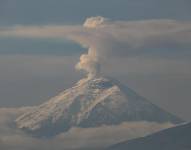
pixel 176 138
pixel 91 103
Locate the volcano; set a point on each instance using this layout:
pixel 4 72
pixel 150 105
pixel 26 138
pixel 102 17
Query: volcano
pixel 91 102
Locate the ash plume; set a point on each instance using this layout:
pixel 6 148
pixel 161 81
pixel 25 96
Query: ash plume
pixel 107 39
pixel 89 62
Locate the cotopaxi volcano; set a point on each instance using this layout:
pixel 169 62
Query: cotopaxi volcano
pixel 91 102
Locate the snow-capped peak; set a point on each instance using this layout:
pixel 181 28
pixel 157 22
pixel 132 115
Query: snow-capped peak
pixel 91 102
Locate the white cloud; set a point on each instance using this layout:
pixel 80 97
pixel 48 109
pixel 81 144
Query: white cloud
pixel 89 62
pixel 95 22
pixel 77 138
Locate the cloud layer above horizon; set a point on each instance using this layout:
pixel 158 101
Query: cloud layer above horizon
pixel 104 37
pixel 11 138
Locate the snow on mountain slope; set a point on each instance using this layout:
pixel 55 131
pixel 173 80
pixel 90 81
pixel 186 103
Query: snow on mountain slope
pixel 175 138
pixel 92 102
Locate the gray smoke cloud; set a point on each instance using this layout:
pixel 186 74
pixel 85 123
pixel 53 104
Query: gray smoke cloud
pixel 105 38
pixel 90 63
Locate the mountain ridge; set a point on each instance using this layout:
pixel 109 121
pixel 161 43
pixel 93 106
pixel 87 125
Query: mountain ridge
pixel 175 138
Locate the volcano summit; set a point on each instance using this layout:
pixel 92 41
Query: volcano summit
pixel 91 102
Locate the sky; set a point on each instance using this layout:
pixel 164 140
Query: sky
pixel 33 69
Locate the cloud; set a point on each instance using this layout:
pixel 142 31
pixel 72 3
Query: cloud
pixel 106 38
pixel 95 22
pixel 89 62
pixel 77 138
pixel 96 31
